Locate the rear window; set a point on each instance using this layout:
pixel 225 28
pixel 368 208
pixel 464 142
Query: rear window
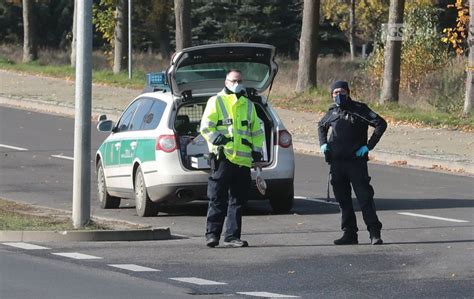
pixel 254 74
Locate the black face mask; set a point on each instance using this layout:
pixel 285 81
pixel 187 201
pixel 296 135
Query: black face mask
pixel 341 100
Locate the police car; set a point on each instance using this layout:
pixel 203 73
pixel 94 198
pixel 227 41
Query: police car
pixel 155 153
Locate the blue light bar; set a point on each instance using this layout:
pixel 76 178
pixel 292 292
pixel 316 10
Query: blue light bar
pixel 156 79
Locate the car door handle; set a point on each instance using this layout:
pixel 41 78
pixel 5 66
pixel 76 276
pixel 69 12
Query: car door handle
pixel 133 145
pixel 117 145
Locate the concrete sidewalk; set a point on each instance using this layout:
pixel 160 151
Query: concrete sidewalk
pixel 438 149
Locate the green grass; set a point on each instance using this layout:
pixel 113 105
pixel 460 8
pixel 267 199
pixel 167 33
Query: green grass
pixel 316 100
pixel 106 77
pixel 19 217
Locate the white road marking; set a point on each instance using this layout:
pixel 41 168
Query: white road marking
pixel 267 295
pixel 25 246
pixel 198 281
pixel 134 268
pixel 317 200
pixel 77 255
pixel 63 157
pixel 13 147
pixel 432 217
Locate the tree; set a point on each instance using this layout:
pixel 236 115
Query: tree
pixel 120 36
pixel 360 19
pixel 74 35
pixel 352 28
pixel 182 10
pixel 469 97
pixel 30 51
pixel 393 47
pixel 308 54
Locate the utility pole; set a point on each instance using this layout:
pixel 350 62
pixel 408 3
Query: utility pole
pixel 81 197
pixel 129 39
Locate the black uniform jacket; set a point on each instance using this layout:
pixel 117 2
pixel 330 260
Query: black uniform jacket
pixel 349 126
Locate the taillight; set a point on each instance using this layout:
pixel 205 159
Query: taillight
pixel 166 143
pixel 284 138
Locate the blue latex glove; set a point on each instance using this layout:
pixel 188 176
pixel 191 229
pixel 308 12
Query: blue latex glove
pixel 362 151
pixel 324 148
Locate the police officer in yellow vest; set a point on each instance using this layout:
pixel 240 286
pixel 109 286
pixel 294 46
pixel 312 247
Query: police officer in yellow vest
pixel 235 139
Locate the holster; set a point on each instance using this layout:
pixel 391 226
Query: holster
pixel 327 157
pixel 212 160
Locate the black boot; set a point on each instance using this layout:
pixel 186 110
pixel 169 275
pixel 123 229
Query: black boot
pixel 375 238
pixel 348 238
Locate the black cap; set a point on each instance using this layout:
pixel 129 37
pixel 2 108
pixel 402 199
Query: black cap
pixel 340 84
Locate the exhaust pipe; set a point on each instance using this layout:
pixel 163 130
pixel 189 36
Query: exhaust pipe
pixel 184 194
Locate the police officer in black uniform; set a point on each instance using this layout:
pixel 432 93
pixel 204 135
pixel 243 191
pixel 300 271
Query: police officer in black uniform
pixel 347 153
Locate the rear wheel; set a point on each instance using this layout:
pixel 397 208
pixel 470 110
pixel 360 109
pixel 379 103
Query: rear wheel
pixel 105 200
pixel 283 203
pixel 144 206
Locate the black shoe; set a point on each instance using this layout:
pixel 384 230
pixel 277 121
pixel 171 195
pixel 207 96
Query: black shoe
pixel 212 242
pixel 347 239
pixel 375 238
pixel 236 243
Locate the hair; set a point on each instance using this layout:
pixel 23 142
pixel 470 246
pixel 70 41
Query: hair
pixel 233 70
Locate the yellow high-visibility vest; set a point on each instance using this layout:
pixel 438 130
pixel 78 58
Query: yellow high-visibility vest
pixel 234 118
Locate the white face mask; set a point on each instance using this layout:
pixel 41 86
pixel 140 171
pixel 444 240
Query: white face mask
pixel 236 87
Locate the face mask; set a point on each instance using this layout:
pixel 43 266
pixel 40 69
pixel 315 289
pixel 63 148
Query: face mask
pixel 236 88
pixel 341 100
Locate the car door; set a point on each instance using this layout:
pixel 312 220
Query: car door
pixel 113 161
pixel 131 141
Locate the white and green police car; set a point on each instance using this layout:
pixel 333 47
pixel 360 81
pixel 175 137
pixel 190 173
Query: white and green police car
pixel 155 154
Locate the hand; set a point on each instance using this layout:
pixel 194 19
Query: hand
pixel 256 156
pixel 324 148
pixel 362 151
pixel 221 140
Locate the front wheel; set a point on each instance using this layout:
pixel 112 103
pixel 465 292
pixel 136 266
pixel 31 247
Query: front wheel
pixel 143 205
pixel 105 200
pixel 283 203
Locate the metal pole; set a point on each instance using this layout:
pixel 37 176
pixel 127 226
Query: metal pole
pixel 129 39
pixel 81 198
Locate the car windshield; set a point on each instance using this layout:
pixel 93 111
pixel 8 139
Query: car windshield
pixel 254 74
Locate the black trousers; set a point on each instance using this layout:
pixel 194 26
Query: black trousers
pixel 228 190
pixel 343 174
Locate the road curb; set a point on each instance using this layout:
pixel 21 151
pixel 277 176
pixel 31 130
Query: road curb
pixel 92 235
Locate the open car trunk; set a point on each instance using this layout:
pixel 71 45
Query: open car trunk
pixel 192 145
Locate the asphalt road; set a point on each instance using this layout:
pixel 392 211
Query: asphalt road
pixel 289 254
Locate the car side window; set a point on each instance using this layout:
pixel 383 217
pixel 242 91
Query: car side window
pixel 153 117
pixel 124 121
pixel 139 116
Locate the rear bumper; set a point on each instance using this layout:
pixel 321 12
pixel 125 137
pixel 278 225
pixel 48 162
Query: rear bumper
pixel 181 193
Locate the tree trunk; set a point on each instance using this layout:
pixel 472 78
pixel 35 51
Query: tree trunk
pixel 30 52
pixel 74 36
pixel 469 97
pixel 352 25
pixel 182 10
pixel 120 37
pixel 393 51
pixel 308 54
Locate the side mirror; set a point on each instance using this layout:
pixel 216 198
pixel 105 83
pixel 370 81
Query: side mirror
pixel 102 117
pixel 105 125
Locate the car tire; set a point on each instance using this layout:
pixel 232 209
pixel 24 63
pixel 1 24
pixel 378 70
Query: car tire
pixel 143 205
pixel 282 204
pixel 105 200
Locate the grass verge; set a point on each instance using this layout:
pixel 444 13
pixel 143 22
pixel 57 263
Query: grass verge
pixel 22 217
